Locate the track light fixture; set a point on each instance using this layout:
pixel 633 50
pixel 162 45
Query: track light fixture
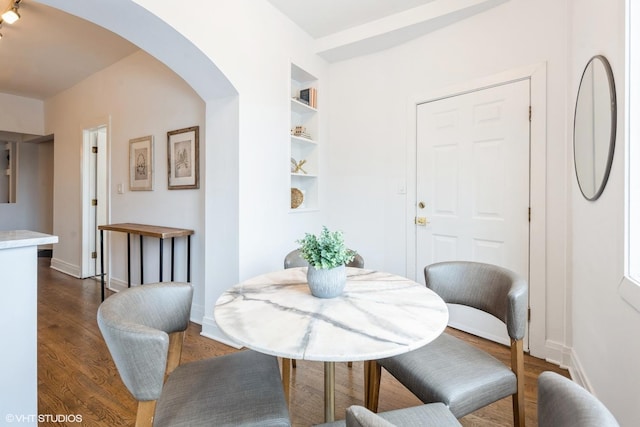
pixel 11 15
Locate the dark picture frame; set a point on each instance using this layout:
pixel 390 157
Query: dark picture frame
pixel 183 156
pixel 141 164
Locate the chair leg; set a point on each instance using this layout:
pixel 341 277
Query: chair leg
pixel 286 378
pixel 372 374
pixel 146 411
pixel 175 351
pixel 517 365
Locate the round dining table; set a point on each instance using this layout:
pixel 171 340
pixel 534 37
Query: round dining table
pixel 378 315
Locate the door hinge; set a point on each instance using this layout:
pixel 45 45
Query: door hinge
pixel 529 112
pixel 529 214
pixel 94 202
pixel 529 314
pixel 94 255
pixel 94 150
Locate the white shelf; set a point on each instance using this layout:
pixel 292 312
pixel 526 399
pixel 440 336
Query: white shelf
pixel 301 107
pixel 302 148
pixel 302 210
pixel 302 140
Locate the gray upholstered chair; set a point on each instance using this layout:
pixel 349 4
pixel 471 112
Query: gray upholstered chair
pixel 563 403
pixel 432 414
pixel 143 328
pixel 294 259
pixel 452 371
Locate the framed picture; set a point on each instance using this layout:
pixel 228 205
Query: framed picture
pixel 141 164
pixel 183 155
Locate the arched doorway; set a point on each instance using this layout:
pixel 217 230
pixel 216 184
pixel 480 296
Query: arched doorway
pixel 219 141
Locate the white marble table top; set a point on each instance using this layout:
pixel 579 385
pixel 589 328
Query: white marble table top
pixel 22 238
pixel 378 315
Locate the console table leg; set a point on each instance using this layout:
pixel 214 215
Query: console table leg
pixel 141 263
pixel 172 257
pixel 128 260
pixel 102 264
pixel 189 258
pixel 161 248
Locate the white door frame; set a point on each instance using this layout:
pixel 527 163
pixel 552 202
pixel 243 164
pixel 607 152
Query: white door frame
pixel 88 226
pixel 537 74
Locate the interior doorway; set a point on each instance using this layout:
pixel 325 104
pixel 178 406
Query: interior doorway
pixel 536 74
pixel 472 187
pixel 95 201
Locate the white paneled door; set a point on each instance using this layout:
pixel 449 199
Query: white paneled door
pixel 472 187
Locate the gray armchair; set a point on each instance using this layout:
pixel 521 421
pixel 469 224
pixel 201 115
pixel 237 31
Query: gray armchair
pixel 563 403
pixel 143 328
pixel 433 414
pixel 452 371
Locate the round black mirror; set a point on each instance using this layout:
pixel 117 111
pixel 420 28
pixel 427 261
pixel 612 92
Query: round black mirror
pixel 594 127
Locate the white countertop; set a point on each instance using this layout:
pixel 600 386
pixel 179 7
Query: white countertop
pixel 378 315
pixel 21 238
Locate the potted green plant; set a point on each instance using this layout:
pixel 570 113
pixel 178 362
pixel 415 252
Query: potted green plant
pixel 327 255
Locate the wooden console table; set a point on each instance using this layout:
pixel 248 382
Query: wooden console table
pixel 150 231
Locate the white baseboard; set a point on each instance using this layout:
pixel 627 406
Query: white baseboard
pixel 577 373
pixel 197 313
pixel 211 330
pixel 558 354
pixel 65 267
pixel 115 285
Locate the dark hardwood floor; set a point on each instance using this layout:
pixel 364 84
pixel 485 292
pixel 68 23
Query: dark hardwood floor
pixel 76 375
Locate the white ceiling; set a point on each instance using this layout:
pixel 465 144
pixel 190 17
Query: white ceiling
pixel 321 18
pixel 48 51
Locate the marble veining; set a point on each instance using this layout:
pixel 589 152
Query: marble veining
pixel 21 238
pixel 378 315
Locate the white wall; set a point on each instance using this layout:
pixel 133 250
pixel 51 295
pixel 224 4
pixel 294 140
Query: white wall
pixel 370 132
pixel 137 96
pixel 32 211
pixel 253 45
pixel 21 115
pixel 605 327
pixel 33 207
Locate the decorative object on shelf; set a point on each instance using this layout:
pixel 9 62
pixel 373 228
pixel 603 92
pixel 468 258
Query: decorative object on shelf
pixel 309 96
pixel 183 155
pixel 296 167
pixel 297 197
pixel 300 132
pixel 141 164
pixel 327 255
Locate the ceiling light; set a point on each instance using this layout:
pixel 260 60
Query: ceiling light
pixel 11 15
